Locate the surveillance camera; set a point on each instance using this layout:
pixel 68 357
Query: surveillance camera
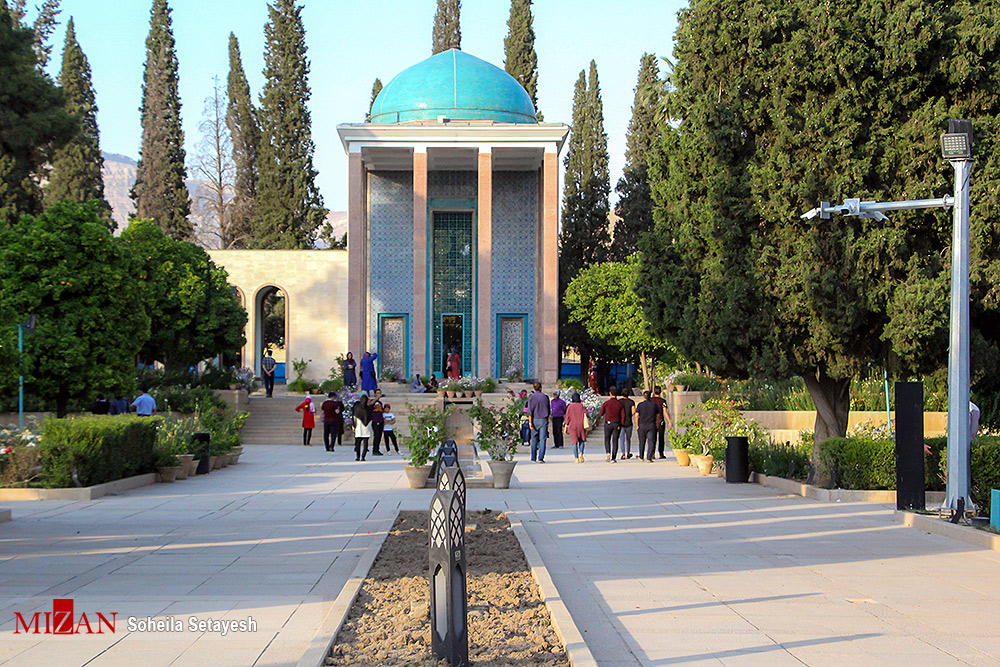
pixel 844 210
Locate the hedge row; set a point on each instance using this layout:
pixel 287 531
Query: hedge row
pixel 864 463
pixel 100 448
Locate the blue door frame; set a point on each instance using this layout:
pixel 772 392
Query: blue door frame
pixel 406 336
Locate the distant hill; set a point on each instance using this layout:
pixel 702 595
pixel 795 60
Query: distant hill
pixel 119 177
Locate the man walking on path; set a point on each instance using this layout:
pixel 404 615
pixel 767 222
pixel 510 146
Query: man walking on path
pixel 628 411
pixel 648 416
pixel 612 413
pixel 661 427
pixel 333 421
pixel 558 407
pixel 267 366
pixel 538 421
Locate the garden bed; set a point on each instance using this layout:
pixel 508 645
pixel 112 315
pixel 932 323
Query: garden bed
pixel 509 623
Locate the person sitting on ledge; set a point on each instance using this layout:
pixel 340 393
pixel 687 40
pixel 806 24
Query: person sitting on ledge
pixel 417 386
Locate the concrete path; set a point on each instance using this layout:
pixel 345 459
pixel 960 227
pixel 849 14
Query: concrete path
pixel 658 566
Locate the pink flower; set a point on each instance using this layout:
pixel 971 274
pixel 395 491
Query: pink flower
pixel 6 450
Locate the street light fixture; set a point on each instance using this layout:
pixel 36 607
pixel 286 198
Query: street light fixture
pixel 956 147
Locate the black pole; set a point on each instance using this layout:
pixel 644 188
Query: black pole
pixel 737 459
pixel 449 598
pixel 910 446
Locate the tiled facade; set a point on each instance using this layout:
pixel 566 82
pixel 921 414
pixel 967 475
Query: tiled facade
pixel 391 250
pixel 513 275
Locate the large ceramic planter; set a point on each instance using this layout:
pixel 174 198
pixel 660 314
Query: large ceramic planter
pixel 502 472
pixel 478 393
pixel 417 476
pixel 168 474
pixel 213 462
pixel 694 459
pixel 441 393
pixel 705 464
pixel 683 457
pixel 188 463
pixel 181 468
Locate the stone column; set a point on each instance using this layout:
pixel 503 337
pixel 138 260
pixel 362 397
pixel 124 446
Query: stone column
pixel 547 317
pixel 420 287
pixel 357 256
pixel 484 301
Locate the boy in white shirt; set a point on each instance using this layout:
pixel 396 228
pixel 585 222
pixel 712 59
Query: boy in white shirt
pixel 389 430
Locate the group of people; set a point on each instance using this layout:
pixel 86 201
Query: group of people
pixel 372 420
pixel 649 418
pixel 144 404
pixel 369 378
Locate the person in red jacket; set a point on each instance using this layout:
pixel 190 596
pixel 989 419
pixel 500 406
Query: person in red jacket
pixel 308 411
pixel 612 413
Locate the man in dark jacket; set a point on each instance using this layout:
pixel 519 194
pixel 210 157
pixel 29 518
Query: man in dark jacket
pixel 612 413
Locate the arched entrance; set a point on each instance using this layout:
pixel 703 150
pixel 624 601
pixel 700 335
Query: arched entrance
pixel 271 327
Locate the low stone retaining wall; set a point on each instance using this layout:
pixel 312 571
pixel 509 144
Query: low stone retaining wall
pixel 836 495
pixel 84 493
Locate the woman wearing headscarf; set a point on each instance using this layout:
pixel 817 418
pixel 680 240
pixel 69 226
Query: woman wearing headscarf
pixel 308 411
pixel 362 415
pixel 576 425
pixel 350 374
pixel 368 380
pixel 417 386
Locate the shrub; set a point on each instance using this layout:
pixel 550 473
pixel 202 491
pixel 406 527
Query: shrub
pixel 184 400
pixel 698 382
pixel 335 384
pixel 100 448
pixel 18 455
pixel 570 384
pixel 428 429
pixel 867 461
pixel 984 459
pixel 776 459
pixel 224 427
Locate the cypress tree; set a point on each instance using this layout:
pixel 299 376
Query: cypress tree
pixel 76 168
pixel 43 26
pixel 520 59
pixel 244 132
pixel 447 30
pixel 289 206
pixel 584 239
pixel 159 192
pixel 376 89
pixel 33 122
pixel 635 204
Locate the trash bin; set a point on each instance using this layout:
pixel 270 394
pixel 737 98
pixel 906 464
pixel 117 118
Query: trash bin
pixel 737 459
pixel 201 445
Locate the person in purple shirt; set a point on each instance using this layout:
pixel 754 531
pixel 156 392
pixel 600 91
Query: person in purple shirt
pixel 558 407
pixel 539 411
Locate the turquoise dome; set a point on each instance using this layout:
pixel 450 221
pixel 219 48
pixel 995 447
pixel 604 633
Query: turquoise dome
pixel 457 85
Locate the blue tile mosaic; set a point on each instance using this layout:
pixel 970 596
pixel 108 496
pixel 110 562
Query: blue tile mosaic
pixel 452 184
pixel 513 269
pixel 391 252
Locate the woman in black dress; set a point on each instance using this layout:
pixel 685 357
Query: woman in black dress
pixel 350 376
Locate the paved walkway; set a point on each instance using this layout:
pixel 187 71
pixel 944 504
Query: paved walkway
pixel 658 566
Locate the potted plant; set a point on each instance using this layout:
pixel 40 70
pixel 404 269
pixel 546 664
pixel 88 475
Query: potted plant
pixel 499 432
pixel 428 430
pixel 166 463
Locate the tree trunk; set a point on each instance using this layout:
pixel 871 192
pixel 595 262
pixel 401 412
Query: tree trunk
pixel 647 383
pixel 585 368
pixel 833 406
pixel 62 403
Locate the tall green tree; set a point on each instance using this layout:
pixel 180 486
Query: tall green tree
pixel 584 239
pixel 76 167
pixel 159 192
pixel 193 313
pixel 447 31
pixel 376 89
pixel 821 102
pixel 289 206
pixel 66 268
pixel 33 122
pixel 602 298
pixel 635 202
pixel 244 134
pixel 520 59
pixel 43 26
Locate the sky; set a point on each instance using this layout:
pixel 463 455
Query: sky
pixel 350 43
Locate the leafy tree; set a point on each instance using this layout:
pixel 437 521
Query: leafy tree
pixel 289 206
pixel 214 164
pixel 520 59
pixel 33 122
pixel 65 267
pixel 376 89
pixel 76 167
pixel 43 26
pixel 635 204
pixel 821 102
pixel 447 31
pixel 194 315
pixel 584 239
pixel 602 298
pixel 244 133
pixel 159 192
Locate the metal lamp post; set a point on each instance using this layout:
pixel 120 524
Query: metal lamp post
pixel 28 327
pixel 956 147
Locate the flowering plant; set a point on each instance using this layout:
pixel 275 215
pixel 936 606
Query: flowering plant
pixel 245 378
pixel 428 429
pixel 18 455
pixel 390 374
pixel 499 427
